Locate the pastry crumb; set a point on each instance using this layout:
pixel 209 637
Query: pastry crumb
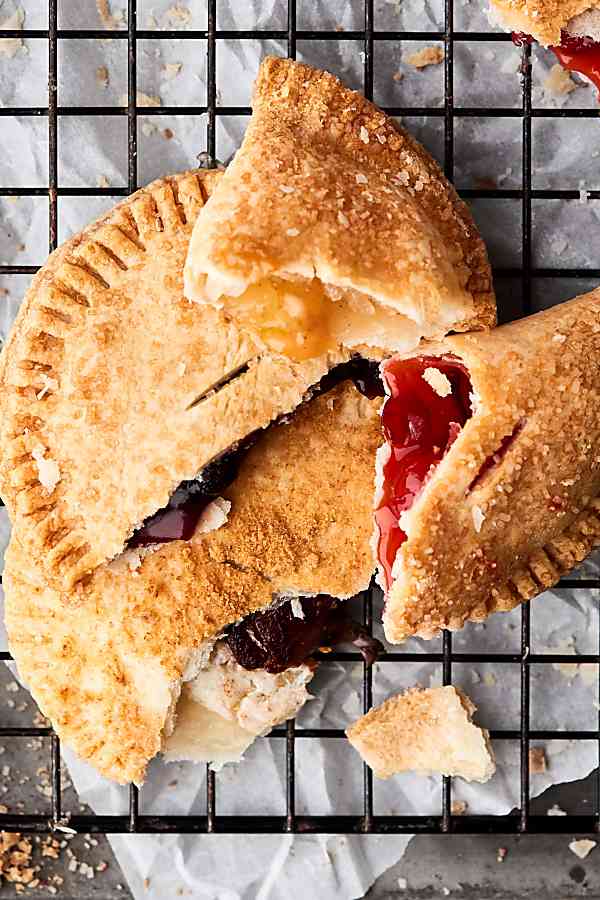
pixel 427 56
pixel 171 70
pixel 582 848
pixel 213 516
pixel 438 381
pixel 556 811
pixel 109 18
pixel 559 338
pixel 297 611
pixel 559 81
pixel 537 760
pixel 459 807
pixel 102 77
pixel 141 100
pixel 364 134
pixel 398 76
pixel 9 47
pixel 102 181
pixel 292 232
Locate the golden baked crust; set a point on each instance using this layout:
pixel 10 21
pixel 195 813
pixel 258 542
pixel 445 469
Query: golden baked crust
pixel 473 549
pixel 100 378
pixel 105 661
pixel 543 19
pixel 425 731
pixel 314 535
pixel 326 185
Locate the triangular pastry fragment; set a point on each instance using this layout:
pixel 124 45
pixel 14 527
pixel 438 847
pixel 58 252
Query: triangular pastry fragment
pixel 105 662
pixel 571 28
pixel 332 226
pixel 430 732
pixel 489 479
pixel 114 388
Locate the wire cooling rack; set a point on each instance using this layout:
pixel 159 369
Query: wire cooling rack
pixel 519 821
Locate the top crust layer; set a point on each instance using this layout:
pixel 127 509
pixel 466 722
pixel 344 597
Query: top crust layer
pixel 101 377
pixel 543 19
pixel 477 547
pixel 326 185
pixel 105 661
pixel 425 731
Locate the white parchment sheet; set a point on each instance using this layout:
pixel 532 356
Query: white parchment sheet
pixel 93 152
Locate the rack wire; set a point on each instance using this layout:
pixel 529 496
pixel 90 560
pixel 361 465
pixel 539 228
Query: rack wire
pixel 518 821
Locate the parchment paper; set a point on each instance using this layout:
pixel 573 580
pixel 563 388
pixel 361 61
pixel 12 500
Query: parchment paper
pixel 487 153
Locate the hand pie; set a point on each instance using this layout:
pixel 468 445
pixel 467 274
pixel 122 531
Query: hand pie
pixel 106 661
pixel 430 732
pixel 114 388
pixel 571 28
pixel 333 227
pixel 489 480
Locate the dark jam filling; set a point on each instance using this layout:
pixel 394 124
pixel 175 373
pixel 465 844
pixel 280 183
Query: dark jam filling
pixel 419 427
pixel 276 639
pixel 577 54
pixel 178 520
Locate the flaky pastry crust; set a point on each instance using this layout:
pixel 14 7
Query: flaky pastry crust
pixel 105 661
pixel 425 731
pixel 543 19
pixel 325 184
pixel 475 547
pixel 101 377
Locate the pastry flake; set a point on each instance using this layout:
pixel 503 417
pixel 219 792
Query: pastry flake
pixel 332 227
pixel 106 661
pixel 115 388
pixel 430 732
pixel 491 493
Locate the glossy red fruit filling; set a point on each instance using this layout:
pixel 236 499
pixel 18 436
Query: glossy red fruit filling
pixel 579 54
pixel 420 425
pixel 520 38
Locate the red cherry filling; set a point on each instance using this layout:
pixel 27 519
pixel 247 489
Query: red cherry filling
pixel 577 54
pixel 419 426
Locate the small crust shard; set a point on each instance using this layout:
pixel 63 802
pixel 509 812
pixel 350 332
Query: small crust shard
pixel 546 19
pixel 430 732
pixel 327 188
pixel 514 504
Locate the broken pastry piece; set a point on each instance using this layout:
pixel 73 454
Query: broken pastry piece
pixel 334 228
pixel 126 665
pixel 430 732
pixel 114 388
pixel 489 480
pixel 570 28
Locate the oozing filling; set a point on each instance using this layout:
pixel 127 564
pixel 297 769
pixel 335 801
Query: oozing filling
pixel 578 54
pixel 287 635
pixel 428 404
pixel 178 520
pixel 291 317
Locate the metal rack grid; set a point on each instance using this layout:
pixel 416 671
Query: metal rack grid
pixel 519 821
